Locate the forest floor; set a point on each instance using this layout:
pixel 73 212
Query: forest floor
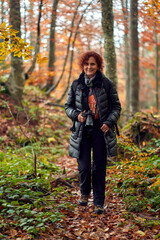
pixel 128 214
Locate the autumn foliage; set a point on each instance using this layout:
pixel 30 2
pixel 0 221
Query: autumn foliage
pixel 38 196
pixel 89 35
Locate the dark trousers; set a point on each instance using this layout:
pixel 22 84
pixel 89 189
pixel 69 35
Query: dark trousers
pixel 95 141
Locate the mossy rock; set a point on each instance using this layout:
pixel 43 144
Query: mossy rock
pixel 143 126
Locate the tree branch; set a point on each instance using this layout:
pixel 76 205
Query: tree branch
pixel 67 53
pixel 30 70
pixel 72 53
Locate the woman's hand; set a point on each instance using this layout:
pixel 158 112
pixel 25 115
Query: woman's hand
pixel 104 128
pixel 81 118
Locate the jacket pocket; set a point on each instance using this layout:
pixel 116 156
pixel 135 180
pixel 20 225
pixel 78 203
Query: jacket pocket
pixel 76 129
pixel 111 142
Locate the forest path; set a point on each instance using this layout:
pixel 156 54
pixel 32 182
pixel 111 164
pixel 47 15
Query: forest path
pixel 82 223
pixel 78 222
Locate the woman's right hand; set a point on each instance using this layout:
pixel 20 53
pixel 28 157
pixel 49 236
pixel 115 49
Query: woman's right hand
pixel 81 118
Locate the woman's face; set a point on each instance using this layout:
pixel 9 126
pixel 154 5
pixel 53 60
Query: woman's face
pixel 90 67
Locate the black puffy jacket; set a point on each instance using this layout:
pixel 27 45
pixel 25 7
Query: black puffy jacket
pixel 108 105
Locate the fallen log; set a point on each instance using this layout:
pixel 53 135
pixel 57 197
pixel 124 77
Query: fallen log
pixel 65 179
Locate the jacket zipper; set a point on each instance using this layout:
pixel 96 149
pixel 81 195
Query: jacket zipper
pixel 105 137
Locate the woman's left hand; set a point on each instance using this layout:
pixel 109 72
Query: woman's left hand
pixel 104 128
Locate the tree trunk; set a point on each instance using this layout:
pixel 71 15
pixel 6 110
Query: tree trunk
pixel 37 47
pixel 72 53
pixel 126 52
pixel 156 72
pixel 67 53
pixel 16 79
pixel 25 21
pixel 2 17
pixel 134 56
pixel 32 36
pixel 51 60
pixel 107 25
pixel 2 11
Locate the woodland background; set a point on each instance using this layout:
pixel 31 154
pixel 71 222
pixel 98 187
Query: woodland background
pixel 40 42
pixel 60 31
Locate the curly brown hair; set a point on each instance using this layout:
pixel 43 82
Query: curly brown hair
pixel 85 56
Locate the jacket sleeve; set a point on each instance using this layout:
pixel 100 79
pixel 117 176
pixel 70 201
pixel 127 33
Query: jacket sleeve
pixel 115 106
pixel 70 107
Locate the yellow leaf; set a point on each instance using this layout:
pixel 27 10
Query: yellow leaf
pixel 2 58
pixel 30 47
pixel 157 183
pixel 3 25
pixel 51 139
pixel 9 26
pixel 45 161
pixel 19 54
pixel 141 233
pixel 13 31
pixel 17 39
pixel 38 61
pixel 13 34
pixel 44 59
pixel 26 57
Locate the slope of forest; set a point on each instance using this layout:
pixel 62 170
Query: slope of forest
pixel 40 44
pixel 38 193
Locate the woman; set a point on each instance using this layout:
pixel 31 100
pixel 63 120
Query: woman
pixel 93 106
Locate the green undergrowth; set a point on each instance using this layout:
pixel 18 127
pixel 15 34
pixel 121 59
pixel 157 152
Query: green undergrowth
pixel 32 204
pixel 27 202
pixel 35 134
pixel 136 178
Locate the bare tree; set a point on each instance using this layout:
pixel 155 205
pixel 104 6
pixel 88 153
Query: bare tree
pixel 124 4
pixel 16 79
pixel 67 52
pixel 134 56
pixel 25 21
pixel 37 47
pixel 72 54
pixel 31 23
pixel 108 32
pixel 156 71
pixel 51 60
pixel 2 11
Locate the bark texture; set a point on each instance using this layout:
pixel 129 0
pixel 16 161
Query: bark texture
pixel 37 47
pixel 156 71
pixel 16 79
pixel 124 4
pixel 134 56
pixel 108 32
pixel 2 11
pixel 51 60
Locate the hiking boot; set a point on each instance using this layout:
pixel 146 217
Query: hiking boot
pixel 83 200
pixel 99 209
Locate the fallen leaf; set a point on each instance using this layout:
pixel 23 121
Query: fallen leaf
pixel 13 232
pixel 106 230
pixel 126 229
pixel 107 236
pixel 141 233
pixel 51 139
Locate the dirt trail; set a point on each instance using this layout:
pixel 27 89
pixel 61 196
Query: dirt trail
pixel 82 223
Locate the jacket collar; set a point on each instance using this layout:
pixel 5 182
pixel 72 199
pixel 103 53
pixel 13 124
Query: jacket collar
pixel 97 82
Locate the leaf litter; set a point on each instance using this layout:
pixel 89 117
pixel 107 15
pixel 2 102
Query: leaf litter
pixel 77 222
